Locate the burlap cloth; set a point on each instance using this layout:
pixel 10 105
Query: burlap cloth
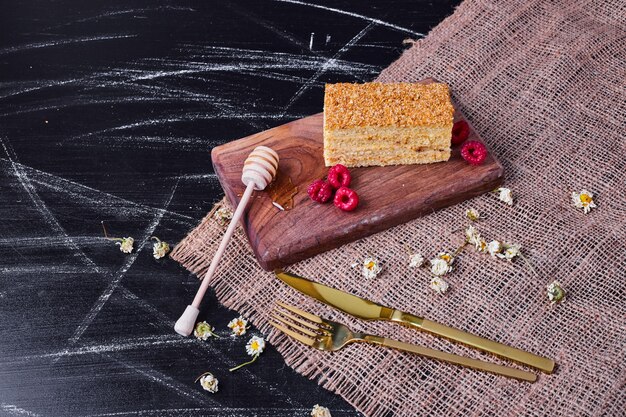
pixel 543 83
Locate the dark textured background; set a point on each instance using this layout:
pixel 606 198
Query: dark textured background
pixel 108 112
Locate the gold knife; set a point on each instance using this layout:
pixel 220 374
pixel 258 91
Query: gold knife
pixel 369 310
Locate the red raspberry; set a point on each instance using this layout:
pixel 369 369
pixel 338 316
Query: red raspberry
pixel 346 199
pixel 460 132
pixel 474 152
pixel 339 176
pixel 320 191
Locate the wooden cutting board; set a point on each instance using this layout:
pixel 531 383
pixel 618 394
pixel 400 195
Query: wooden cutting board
pixel 388 196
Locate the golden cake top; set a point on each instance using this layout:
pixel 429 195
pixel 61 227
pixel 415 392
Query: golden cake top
pixel 349 105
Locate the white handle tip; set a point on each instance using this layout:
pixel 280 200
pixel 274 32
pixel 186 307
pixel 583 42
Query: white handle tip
pixel 185 324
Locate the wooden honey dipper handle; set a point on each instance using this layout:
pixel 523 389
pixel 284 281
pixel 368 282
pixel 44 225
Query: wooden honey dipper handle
pixel 259 170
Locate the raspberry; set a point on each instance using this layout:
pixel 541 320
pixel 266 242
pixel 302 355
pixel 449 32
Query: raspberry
pixel 339 176
pixel 346 199
pixel 460 132
pixel 320 191
pixel 474 152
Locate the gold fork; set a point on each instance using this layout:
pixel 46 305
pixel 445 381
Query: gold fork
pixel 328 335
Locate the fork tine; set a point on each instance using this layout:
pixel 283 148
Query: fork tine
pixel 293 325
pixel 301 338
pixel 302 313
pixel 297 319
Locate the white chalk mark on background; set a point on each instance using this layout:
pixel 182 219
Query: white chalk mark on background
pixel 267 25
pixel 226 412
pixel 352 14
pixel 105 201
pixel 202 346
pixel 166 381
pixel 130 259
pixel 114 346
pixel 38 45
pixel 327 64
pixel 121 12
pixel 49 218
pixel 140 302
pixel 17 411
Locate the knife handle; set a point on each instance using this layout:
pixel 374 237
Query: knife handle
pixel 454 359
pixel 544 364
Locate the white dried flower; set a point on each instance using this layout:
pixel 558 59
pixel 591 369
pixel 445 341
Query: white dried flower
pixel 505 195
pixel 472 236
pixel 472 214
pixel 494 247
pixel 223 215
pixel 438 285
pixel 238 326
pixel 319 411
pixel 126 244
pixel 160 248
pixel 416 260
pixel 555 292
pixel 446 256
pixel 255 346
pixel 442 264
pixel 371 268
pixel 510 251
pixel 583 200
pixel 209 382
pixel 203 331
pixel 481 245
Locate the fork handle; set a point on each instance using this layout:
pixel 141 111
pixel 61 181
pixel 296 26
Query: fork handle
pixel 452 358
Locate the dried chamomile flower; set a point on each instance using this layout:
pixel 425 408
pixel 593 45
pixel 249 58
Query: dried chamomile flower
pixel 583 200
pixel 471 235
pixel 504 194
pixel 371 268
pixel 208 382
pixel 446 256
pixel 416 260
pixel 160 248
pixel 238 326
pixel 442 264
pixel 481 245
pixel 472 214
pixel 494 248
pixel 126 244
pixel 223 215
pixel 254 348
pixel 204 330
pixel 438 285
pixel 555 292
pixel 319 411
pixel 509 251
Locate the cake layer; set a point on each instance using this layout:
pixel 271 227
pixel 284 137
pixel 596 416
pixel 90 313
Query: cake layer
pixel 389 157
pixel 383 137
pixel 381 105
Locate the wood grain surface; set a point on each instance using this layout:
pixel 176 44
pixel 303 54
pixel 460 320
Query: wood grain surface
pixel 388 196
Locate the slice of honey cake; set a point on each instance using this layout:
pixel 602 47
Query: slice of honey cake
pixel 387 124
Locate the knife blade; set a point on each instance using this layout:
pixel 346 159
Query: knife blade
pixel 348 303
pixel 369 310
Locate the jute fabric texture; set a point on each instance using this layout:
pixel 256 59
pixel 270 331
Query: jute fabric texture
pixel 543 82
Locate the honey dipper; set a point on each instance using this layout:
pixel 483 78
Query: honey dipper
pixel 259 170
